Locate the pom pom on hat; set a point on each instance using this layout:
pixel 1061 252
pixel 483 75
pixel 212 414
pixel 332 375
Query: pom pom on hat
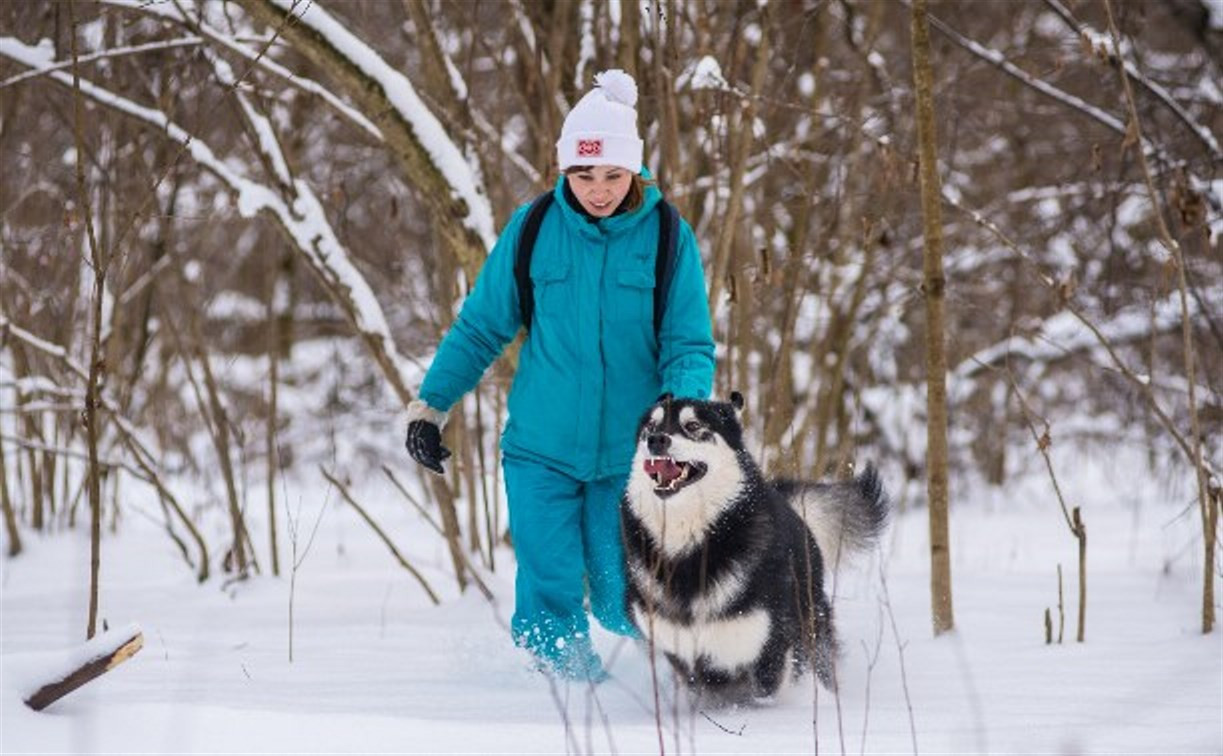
pixel 618 86
pixel 602 128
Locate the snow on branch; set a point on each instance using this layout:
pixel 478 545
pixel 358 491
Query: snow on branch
pixel 586 46
pixel 304 220
pixel 463 177
pixel 1105 344
pixel 61 673
pixel 999 60
pixel 235 45
pixel 40 57
pixel 1065 334
pixel 68 453
pixel 1100 44
pixel 108 54
pixel 141 449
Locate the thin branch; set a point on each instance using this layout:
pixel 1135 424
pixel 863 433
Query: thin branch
pixel 1144 387
pixel 258 58
pixel 872 659
pixel 60 451
pixel 1115 56
pixel 484 589
pixel 451 186
pixel 1165 236
pixel 99 261
pixel 900 651
pixel 999 60
pixel 722 727
pixel 145 459
pixel 303 221
pixel 114 52
pixel 382 536
pixel 1043 442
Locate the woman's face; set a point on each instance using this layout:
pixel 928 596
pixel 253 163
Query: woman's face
pixel 600 188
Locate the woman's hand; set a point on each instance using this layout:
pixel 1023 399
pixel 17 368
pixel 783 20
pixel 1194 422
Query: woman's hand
pixel 424 441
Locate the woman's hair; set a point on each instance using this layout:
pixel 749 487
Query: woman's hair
pixel 636 190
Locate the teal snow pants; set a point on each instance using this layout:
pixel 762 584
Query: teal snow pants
pixel 567 538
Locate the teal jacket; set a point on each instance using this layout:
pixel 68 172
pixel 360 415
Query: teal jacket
pixel 591 364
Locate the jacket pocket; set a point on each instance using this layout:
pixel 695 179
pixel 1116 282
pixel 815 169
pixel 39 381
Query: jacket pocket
pixel 634 296
pixel 549 290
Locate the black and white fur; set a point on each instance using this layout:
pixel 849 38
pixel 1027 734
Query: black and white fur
pixel 725 567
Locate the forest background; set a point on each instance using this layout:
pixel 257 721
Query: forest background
pixel 232 233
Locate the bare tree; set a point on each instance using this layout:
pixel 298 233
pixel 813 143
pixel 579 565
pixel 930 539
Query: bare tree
pixel 376 147
pixel 99 261
pixel 1207 508
pixel 934 285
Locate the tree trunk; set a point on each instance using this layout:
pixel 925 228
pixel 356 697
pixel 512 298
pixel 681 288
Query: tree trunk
pixel 93 388
pixel 934 286
pixel 627 49
pixel 447 211
pixel 741 139
pixel 275 302
pixel 21 368
pixel 221 440
pixel 6 504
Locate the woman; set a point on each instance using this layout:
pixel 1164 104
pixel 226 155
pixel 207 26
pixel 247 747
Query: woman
pixel 592 363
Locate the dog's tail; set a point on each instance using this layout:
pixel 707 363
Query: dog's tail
pixel 845 516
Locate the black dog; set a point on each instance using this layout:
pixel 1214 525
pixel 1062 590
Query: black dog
pixel 726 568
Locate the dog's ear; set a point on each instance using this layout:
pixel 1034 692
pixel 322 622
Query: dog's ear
pixel 736 401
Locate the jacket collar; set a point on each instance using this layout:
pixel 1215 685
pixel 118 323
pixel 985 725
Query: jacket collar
pixel 612 226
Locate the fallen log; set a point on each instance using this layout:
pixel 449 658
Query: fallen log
pixel 92 659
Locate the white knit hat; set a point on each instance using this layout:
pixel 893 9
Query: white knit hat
pixel 602 128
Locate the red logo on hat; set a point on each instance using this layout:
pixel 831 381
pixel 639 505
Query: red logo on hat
pixel 590 148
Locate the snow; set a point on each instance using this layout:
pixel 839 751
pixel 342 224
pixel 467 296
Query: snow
pixel 377 669
pixel 586 47
pixel 1064 333
pixel 305 220
pixel 806 84
pixel 460 173
pixel 31 672
pixel 705 73
pixel 172 13
pixel 1216 217
pixel 1215 10
pixel 753 34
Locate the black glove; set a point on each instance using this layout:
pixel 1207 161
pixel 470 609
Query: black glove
pixel 424 443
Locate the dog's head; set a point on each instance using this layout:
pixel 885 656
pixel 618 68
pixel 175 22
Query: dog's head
pixel 679 440
pixel 690 468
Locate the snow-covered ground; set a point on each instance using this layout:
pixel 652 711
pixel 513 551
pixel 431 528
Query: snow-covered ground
pixel 377 668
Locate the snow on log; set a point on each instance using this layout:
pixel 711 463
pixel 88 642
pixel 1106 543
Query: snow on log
pixel 83 663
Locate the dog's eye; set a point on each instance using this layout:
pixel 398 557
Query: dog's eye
pixel 692 427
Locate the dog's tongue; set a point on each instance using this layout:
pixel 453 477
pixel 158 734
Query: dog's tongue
pixel 662 469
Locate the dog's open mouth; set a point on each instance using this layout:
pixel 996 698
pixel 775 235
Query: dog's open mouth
pixel 670 475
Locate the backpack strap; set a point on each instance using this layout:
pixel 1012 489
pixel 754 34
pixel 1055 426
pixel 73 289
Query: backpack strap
pixel 522 256
pixel 664 261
